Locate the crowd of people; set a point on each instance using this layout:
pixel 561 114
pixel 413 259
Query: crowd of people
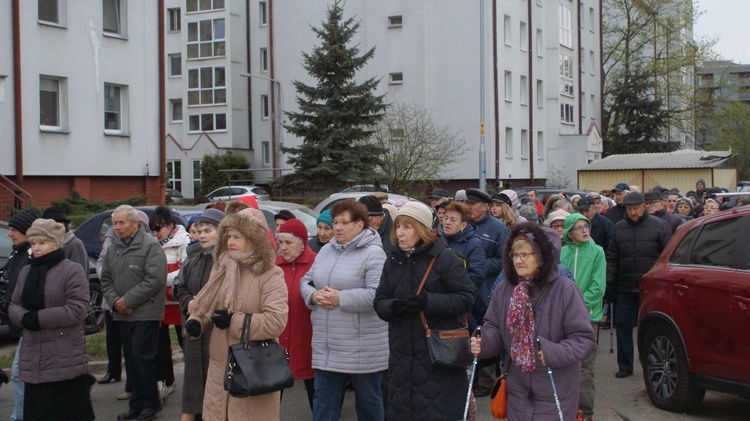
pixel 351 305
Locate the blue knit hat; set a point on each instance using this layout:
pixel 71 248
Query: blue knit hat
pixel 326 218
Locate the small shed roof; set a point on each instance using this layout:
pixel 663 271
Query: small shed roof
pixel 686 158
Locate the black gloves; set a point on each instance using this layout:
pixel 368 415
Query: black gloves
pixel 610 294
pixel 30 321
pixel 420 301
pixel 406 307
pixel 193 328
pixel 222 319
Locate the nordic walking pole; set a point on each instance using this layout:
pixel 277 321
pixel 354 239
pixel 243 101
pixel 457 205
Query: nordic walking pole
pixel 554 389
pixel 611 327
pixel 477 333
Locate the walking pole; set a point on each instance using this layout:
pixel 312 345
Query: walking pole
pixel 611 327
pixel 554 389
pixel 471 378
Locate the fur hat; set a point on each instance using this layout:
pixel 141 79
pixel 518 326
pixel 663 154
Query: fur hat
pixel 254 215
pixel 296 228
pixel 257 234
pixel 419 211
pixel 23 220
pixel 47 228
pixel 56 213
pixel 543 242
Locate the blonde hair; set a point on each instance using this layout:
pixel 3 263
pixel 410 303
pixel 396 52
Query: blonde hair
pixel 38 238
pixel 508 216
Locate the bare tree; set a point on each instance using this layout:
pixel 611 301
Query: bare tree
pixel 418 150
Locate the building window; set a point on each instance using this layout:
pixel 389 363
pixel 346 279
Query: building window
pixel 206 38
pixel 523 90
pixel 583 104
pixel 396 78
pixel 566 113
pixel 507 30
pixel 540 3
pixel 539 145
pixel 114 13
pixel 592 61
pixel 591 19
pixel 204 5
pixel 395 21
pixel 593 106
pixel 524 37
pixel 265 110
pixel 263 13
pixel 175 20
pixel 583 60
pixel 265 152
pixel 208 122
pixel 566 75
pixel 508 86
pixel 264 60
pixel 197 176
pixel 539 94
pixel 174 175
pixel 115 107
pixel 509 142
pixel 175 65
pixel 52 11
pixel 176 106
pixel 524 144
pixel 539 42
pixel 566 27
pixel 52 100
pixel 207 85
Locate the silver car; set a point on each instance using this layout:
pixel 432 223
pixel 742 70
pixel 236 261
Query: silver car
pixel 234 192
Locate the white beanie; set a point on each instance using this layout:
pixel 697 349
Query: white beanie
pixel 419 211
pixel 557 215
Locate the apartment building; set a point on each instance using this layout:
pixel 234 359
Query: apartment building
pixel 718 83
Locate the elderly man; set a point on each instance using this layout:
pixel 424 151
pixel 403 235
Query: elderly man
pixel 656 206
pixel 636 243
pixel 380 220
pixel 437 197
pixel 134 284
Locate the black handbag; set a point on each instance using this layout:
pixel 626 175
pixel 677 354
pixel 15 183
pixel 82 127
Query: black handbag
pixel 448 347
pixel 256 367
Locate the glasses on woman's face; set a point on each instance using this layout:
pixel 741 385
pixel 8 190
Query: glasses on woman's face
pixel 522 255
pixel 557 226
pixel 581 228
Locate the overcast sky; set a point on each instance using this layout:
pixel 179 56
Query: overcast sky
pixel 729 20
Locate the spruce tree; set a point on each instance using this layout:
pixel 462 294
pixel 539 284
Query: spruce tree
pixel 337 116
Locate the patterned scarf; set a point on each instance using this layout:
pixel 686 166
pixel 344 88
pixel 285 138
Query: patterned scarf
pixel 521 326
pixel 223 286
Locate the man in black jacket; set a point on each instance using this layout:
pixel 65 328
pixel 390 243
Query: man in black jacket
pixel 636 243
pixel 656 207
pixel 617 213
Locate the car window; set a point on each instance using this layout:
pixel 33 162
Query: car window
pixel 237 191
pixel 103 228
pixel 6 245
pixel 719 245
pixel 681 252
pixel 259 190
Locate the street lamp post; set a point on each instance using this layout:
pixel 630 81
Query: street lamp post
pixel 482 146
pixel 276 116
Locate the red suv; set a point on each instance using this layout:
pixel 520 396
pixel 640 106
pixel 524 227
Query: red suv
pixel 694 318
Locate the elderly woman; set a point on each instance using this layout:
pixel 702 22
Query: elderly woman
pixel 710 207
pixel 684 209
pixel 349 340
pixel 295 260
pixel 556 221
pixel 539 319
pixel 244 281
pixel 325 231
pixel 447 295
pixel 193 277
pixel 460 234
pixel 50 302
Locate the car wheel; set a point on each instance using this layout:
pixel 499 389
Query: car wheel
pixel 94 321
pixel 666 372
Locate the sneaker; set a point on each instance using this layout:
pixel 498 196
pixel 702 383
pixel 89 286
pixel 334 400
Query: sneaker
pixel 124 396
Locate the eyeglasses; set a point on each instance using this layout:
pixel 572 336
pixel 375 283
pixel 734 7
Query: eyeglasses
pixel 581 228
pixel 557 226
pixel 157 227
pixel 523 256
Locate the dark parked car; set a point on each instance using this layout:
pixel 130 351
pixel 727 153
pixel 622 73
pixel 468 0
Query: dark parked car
pixel 694 313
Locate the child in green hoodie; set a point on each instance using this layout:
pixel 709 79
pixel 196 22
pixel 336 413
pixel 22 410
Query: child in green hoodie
pixel 588 264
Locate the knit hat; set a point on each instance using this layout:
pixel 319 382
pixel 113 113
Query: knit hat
pixel 23 220
pixel 702 181
pixel 461 195
pixel 296 228
pixel 513 196
pixel 374 207
pixel 285 215
pixel 684 200
pixel 56 213
pixel 142 218
pixel 211 216
pixel 419 211
pixel 47 228
pixel 557 215
pixel 325 217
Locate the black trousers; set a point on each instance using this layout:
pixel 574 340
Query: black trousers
pixel 140 344
pixel 114 345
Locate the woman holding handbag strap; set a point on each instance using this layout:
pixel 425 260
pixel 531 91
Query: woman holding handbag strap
pixel 417 388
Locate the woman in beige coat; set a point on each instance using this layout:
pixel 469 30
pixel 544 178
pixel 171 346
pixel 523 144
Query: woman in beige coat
pixel 243 281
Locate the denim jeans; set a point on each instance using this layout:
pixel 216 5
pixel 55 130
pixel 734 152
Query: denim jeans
pixel 367 394
pixel 626 317
pixel 18 387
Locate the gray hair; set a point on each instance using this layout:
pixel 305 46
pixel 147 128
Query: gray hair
pixel 131 212
pixel 281 235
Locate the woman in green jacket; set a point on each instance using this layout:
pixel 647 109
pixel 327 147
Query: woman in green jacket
pixel 588 264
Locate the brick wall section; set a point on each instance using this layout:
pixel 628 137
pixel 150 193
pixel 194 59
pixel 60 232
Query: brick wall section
pixel 46 189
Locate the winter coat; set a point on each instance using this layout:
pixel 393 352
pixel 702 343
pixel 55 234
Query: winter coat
pixel 633 250
pixel 564 331
pixel 57 352
pixel 385 233
pixel 349 338
pixel 75 251
pixel 616 214
pixel 470 246
pixel 297 335
pixel 19 257
pixel 138 273
pixel 589 266
pixel 176 251
pixel 493 234
pixel 418 389
pixel 601 231
pixel 672 219
pixel 315 245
